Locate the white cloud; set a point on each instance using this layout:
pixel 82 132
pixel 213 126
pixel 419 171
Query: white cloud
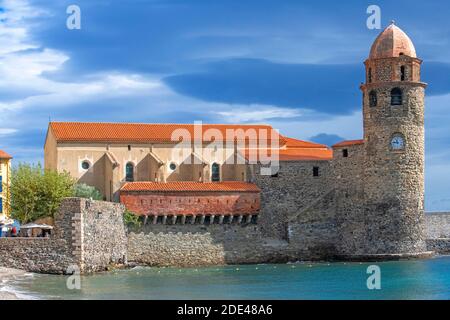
pixel 23 64
pixel 7 131
pixel 258 113
pixel 14 25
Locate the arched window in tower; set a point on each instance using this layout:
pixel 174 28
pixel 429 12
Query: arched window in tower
pixel 129 172
pixel 215 172
pixel 373 99
pixel 402 73
pixel 369 76
pixel 396 97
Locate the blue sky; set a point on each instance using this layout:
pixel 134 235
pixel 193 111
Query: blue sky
pixel 294 64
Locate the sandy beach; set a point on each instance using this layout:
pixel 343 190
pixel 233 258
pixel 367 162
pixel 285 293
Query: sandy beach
pixel 6 275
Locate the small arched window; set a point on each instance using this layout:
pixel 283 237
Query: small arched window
pixel 129 172
pixel 215 172
pixel 369 76
pixel 396 97
pixel 402 73
pixel 373 101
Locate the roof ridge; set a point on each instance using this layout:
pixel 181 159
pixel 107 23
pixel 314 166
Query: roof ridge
pixel 191 186
pixel 126 131
pixel 161 123
pixel 344 143
pixel 5 155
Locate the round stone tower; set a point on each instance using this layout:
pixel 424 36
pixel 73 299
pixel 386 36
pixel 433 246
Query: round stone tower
pixel 393 111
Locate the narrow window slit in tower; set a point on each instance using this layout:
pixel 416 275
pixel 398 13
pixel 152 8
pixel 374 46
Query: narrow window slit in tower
pixel 373 100
pixel 345 153
pixel 396 97
pixel 315 171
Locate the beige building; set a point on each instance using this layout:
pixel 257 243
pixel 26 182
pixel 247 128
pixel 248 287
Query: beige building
pixel 107 155
pixel 5 177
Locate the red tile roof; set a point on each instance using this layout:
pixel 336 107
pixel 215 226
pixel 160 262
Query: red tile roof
pixel 290 149
pixel 4 155
pixel 296 154
pixel 140 132
pixel 189 186
pixel 295 143
pixel 347 143
pixel 306 154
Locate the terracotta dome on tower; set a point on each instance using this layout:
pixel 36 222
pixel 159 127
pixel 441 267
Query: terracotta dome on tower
pixel 392 42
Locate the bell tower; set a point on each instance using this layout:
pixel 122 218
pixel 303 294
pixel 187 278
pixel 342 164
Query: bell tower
pixel 393 112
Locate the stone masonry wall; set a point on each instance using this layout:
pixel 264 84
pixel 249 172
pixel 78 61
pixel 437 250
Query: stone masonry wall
pixel 104 235
pixel 197 245
pixel 437 225
pixel 88 234
pixel 36 254
pixel 312 232
pixel 438 232
pixel 293 189
pixel 46 255
pixel 393 178
pixel 296 222
pixel 348 179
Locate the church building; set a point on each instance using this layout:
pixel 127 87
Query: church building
pixel 360 198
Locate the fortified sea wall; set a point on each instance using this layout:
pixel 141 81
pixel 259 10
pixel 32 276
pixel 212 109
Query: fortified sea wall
pixel 438 232
pixel 92 236
pixel 296 222
pixel 88 234
pixel 203 245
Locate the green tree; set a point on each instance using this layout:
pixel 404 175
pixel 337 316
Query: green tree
pixel 37 193
pixel 83 190
pixel 131 219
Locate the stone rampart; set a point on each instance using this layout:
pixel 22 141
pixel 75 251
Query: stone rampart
pixel 88 234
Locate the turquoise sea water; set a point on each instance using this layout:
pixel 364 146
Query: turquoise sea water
pixel 419 279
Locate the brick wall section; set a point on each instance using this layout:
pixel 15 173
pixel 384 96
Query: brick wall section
pixel 191 203
pixel 88 234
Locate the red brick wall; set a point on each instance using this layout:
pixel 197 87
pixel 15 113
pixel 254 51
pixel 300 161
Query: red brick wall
pixel 187 203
